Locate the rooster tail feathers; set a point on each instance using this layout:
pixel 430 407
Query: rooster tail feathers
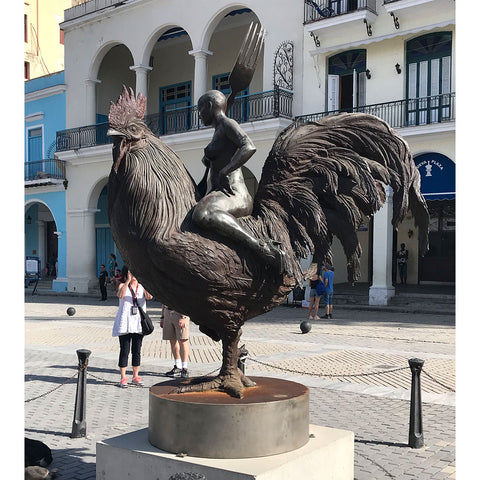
pixel 327 177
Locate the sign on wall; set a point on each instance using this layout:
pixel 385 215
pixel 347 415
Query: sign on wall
pixel 438 176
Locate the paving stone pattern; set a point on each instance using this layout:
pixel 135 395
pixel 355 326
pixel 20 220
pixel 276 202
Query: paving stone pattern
pixel 343 362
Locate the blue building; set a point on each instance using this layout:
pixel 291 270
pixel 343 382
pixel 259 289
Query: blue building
pixel 45 179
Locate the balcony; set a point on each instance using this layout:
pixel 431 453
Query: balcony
pixel 321 10
pixel 90 6
pixel 248 108
pixel 44 172
pixel 403 113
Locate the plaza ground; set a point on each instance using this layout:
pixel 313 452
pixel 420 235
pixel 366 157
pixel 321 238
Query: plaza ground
pixel 355 365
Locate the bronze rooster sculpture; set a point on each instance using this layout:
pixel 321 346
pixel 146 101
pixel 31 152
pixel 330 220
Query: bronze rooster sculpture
pixel 320 179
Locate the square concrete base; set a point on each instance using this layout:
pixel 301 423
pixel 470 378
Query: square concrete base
pixel 327 455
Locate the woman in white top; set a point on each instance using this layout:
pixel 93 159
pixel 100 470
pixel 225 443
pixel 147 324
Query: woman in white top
pixel 127 325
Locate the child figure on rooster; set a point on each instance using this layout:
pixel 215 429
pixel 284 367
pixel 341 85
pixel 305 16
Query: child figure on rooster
pixel 227 197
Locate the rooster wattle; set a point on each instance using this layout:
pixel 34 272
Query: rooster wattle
pixel 320 179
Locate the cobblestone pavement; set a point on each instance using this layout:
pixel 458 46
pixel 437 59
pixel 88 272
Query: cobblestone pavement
pixel 356 366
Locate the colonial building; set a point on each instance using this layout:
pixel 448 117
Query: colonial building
pixel 45 183
pixel 391 58
pixel 43 38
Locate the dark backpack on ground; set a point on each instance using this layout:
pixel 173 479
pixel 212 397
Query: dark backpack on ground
pixel 37 453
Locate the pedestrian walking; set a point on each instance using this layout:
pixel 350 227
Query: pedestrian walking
pixel 176 329
pixel 128 327
pixel 402 258
pixel 112 265
pixel 314 297
pixel 102 280
pixel 327 279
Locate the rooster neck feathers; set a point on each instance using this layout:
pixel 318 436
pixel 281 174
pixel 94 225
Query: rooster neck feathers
pixel 154 188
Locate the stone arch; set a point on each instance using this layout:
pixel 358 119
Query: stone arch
pixel 153 39
pixel 40 237
pixel 99 55
pixel 95 191
pixel 212 24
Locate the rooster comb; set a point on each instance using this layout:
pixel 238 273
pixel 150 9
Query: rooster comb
pixel 127 108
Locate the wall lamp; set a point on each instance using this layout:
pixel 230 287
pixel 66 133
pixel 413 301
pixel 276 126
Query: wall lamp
pixel 368 74
pixel 398 69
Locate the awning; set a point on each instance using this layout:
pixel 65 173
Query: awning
pixel 438 176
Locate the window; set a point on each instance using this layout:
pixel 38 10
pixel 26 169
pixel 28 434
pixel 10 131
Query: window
pixel 175 101
pixel 62 37
pixel 239 110
pixel 35 144
pixel 429 78
pixel 26 66
pixel 347 80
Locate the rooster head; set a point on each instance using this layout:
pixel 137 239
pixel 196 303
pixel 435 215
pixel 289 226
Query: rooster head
pixel 126 126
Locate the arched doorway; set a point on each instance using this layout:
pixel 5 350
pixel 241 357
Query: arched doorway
pixel 41 238
pixel 104 244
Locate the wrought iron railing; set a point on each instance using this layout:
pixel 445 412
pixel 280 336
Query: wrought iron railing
pixel 81 137
pixel 321 9
pixel 246 108
pixel 50 168
pixel 403 113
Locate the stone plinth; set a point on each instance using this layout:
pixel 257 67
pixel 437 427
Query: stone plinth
pixel 271 418
pixel 328 455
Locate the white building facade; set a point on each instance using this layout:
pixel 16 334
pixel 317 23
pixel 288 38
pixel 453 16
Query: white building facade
pixel 394 59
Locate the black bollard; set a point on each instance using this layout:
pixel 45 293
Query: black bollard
pixel 79 426
pixel 241 359
pixel 415 434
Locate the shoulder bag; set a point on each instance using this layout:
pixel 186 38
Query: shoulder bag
pixel 147 324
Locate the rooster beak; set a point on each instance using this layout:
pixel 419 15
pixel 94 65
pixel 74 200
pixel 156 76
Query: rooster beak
pixel 114 133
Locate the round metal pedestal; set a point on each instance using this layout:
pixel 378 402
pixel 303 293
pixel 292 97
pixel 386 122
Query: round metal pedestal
pixel 270 419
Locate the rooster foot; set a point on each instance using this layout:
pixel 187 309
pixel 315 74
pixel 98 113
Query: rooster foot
pixel 229 383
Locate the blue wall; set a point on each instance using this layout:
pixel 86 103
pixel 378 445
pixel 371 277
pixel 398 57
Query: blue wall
pixel 53 109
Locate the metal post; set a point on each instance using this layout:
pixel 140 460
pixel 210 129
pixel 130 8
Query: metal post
pixel 241 359
pixel 276 101
pixel 79 426
pixel 415 434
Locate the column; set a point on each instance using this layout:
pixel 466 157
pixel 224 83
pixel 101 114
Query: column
pixel 42 248
pixel 81 250
pixel 382 290
pixel 200 83
pixel 141 79
pixel 91 101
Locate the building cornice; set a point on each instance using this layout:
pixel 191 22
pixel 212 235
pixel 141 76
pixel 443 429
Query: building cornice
pixel 45 92
pixel 34 117
pixel 427 129
pixel 369 40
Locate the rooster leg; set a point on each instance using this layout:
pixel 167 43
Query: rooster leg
pixel 230 379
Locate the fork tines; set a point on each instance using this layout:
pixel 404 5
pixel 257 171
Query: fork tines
pixel 252 44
